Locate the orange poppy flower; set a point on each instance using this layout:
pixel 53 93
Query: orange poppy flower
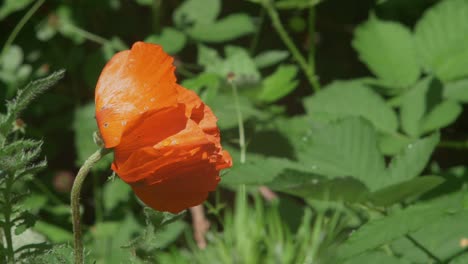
pixel 165 139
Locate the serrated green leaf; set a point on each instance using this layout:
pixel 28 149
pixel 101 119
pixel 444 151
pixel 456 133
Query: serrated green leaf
pixel 196 11
pixel 376 257
pixel 441 115
pixel 225 29
pixel 25 96
pixel 443 245
pixel 171 39
pixel 270 57
pixel 343 99
pixel 279 84
pixel 423 108
pixel 386 229
pixel 440 37
pixel 387 48
pixel 412 160
pixel 404 190
pixel 345 148
pixel 312 186
pixel 257 170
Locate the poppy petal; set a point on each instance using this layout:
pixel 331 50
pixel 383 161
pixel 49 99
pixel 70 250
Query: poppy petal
pixel 132 83
pixel 149 129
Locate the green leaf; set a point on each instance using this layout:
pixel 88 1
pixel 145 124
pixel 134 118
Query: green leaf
pixel 171 39
pixel 345 148
pixel 270 57
pixel 386 229
pixel 444 244
pixel 392 144
pixel 387 48
pixel 279 84
pixel 257 170
pixel 84 126
pixel 457 91
pixel 376 257
pixel 312 186
pixel 412 160
pixel 237 62
pixel 113 46
pixel 206 85
pixel 12 58
pixel 441 115
pixel 343 99
pixel 423 108
pixel 115 235
pixel 115 192
pixel 66 24
pixel 225 110
pixel 296 4
pixel 54 233
pixel 11 6
pixel 197 11
pixel 404 190
pixel 440 37
pixel 225 29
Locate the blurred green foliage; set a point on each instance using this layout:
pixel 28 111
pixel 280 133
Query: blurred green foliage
pixel 369 168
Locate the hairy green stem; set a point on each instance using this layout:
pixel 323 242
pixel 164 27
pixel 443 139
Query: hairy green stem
pixel 97 194
pixel 308 71
pixel 20 26
pixel 8 224
pixel 240 121
pixel 75 201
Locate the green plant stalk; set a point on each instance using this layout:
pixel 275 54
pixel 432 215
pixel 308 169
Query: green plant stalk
pixel 308 71
pixel 20 26
pixel 157 11
pixel 8 224
pixel 88 35
pixel 454 144
pixel 240 121
pixel 75 201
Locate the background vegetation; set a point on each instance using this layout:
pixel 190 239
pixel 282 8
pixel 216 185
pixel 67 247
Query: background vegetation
pixel 353 112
